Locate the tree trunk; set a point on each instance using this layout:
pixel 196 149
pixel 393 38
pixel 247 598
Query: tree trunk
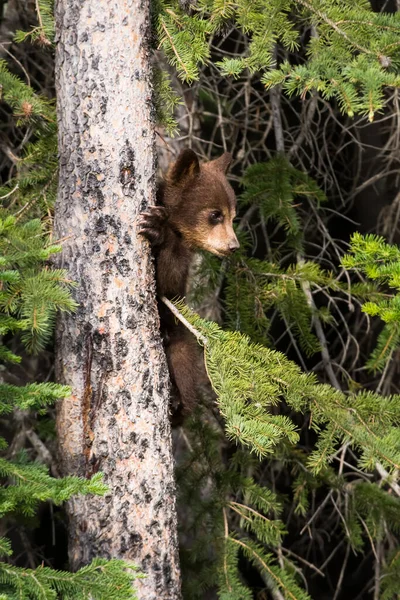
pixel 109 351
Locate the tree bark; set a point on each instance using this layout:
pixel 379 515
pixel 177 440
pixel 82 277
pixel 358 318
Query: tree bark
pixel 109 351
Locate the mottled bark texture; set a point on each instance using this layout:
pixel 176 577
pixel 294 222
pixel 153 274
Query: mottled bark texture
pixel 109 351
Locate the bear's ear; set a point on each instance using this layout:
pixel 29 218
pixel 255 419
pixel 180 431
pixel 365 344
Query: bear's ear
pixel 186 166
pixel 222 163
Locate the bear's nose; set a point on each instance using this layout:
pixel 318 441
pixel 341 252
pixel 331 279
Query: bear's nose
pixel 233 245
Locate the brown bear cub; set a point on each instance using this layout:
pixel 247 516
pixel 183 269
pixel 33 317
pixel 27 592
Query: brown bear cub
pixel 195 209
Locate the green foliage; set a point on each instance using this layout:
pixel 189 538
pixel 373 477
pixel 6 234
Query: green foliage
pixel 43 33
pixel 375 506
pixel 35 184
pixel 352 54
pixel 31 484
pixel 249 379
pixel 391 577
pixel 33 395
pixel 183 38
pixel 102 579
pixel 254 287
pixel 380 262
pixel 225 520
pixel 280 578
pixel 27 106
pixel 165 101
pixel 275 187
pixel 31 293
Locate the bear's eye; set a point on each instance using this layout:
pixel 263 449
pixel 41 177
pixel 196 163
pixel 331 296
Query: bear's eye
pixel 216 217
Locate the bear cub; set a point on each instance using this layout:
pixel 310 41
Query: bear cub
pixel 195 209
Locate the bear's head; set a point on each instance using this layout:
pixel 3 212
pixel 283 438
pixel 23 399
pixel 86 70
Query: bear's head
pixel 201 203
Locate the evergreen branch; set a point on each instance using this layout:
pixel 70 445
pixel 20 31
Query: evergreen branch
pixel 38 13
pixel 226 530
pixel 320 334
pixel 248 378
pixel 273 573
pixel 388 478
pixel 171 41
pixel 105 580
pixel 373 24
pixel 10 192
pixel 201 338
pixel 334 26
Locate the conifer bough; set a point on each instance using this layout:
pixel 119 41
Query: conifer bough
pixel 352 56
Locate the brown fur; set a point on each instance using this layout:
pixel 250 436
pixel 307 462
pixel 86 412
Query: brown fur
pixel 195 209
